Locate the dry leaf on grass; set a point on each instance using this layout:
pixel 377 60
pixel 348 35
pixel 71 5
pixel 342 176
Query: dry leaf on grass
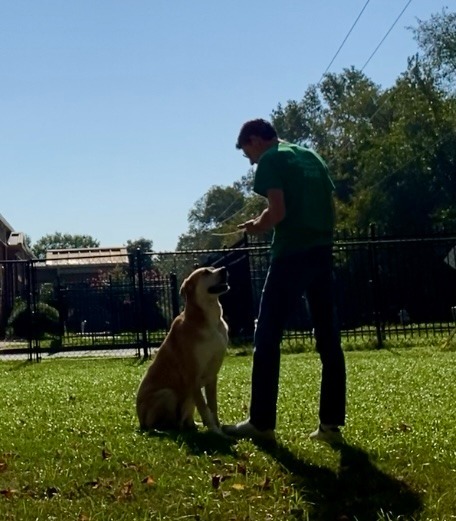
pixel 148 480
pixel 8 492
pixel 126 491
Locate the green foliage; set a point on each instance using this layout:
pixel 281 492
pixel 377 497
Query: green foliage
pixel 23 323
pixel 145 246
pixel 391 152
pixel 59 240
pixel 212 216
pixel 438 44
pixel 217 205
pixel 141 244
pixel 408 162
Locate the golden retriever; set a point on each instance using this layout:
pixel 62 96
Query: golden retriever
pixel 188 360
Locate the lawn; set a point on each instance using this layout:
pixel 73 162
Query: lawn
pixel 70 448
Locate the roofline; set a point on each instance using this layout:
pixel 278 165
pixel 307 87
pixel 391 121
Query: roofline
pixel 6 223
pixel 94 248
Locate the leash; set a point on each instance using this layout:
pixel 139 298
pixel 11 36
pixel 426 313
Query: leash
pixel 227 233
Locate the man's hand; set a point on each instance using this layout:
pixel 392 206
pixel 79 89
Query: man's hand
pixel 248 226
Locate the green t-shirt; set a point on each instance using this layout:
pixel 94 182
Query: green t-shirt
pixel 304 178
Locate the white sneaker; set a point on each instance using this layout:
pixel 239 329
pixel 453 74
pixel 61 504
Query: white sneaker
pixel 330 435
pixel 246 430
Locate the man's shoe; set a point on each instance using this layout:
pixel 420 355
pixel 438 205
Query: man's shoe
pixel 246 430
pixel 330 435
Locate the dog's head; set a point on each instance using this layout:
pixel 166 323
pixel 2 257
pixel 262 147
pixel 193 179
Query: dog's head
pixel 205 283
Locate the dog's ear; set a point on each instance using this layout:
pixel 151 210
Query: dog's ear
pixel 183 288
pixel 186 287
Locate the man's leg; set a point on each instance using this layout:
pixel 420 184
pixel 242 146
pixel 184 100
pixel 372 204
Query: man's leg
pixel 286 281
pixel 282 290
pixel 320 294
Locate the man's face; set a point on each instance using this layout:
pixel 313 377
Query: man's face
pixel 253 149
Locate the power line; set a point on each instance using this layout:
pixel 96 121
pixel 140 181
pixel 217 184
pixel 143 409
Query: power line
pixel 387 33
pixel 327 68
pixel 373 54
pixel 344 40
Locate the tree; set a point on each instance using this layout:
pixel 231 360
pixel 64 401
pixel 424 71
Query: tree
pixel 218 205
pixel 212 216
pixel 391 153
pixel 436 38
pixel 144 246
pixel 59 240
pixel 407 182
pixel 339 118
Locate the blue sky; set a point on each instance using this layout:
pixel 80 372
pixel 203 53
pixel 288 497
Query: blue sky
pixel 116 116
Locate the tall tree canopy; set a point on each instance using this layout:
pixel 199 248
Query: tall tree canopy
pixel 59 240
pixel 144 246
pixel 391 152
pixel 437 40
pixel 209 216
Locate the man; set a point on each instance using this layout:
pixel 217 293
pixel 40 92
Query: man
pixel 300 210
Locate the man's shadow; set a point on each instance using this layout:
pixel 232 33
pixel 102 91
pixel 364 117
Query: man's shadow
pixel 358 490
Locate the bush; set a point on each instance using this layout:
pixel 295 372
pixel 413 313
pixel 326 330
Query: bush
pixel 24 324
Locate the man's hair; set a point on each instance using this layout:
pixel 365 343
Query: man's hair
pixel 255 127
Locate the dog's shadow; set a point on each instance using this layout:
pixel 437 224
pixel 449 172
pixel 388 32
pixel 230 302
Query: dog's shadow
pixel 199 441
pixel 357 490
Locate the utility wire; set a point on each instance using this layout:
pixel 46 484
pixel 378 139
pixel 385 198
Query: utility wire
pixel 387 33
pixel 344 40
pixel 373 54
pixel 327 68
pixel 331 62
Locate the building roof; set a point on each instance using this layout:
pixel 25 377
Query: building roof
pixel 87 256
pixel 5 223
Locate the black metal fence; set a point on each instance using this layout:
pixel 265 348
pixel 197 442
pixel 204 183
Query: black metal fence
pixel 386 287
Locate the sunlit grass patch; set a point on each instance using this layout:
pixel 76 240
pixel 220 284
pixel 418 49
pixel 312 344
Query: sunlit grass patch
pixel 71 449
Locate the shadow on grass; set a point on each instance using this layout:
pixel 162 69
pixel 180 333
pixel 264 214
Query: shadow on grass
pixel 21 365
pixel 359 490
pixel 198 441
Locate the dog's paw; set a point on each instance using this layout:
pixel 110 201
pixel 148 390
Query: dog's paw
pixel 219 432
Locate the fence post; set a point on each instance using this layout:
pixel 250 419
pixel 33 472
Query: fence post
pixel 174 294
pixel 30 317
pixel 375 284
pixel 36 343
pixel 33 341
pixel 142 310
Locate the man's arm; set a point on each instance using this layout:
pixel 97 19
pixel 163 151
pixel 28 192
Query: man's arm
pixel 270 216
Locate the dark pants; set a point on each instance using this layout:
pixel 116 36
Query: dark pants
pixel 309 272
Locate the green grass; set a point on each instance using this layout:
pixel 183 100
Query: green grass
pixel 70 448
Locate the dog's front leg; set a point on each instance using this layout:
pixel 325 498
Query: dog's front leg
pixel 211 399
pixel 204 411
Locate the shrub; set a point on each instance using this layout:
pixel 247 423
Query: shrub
pixel 22 323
